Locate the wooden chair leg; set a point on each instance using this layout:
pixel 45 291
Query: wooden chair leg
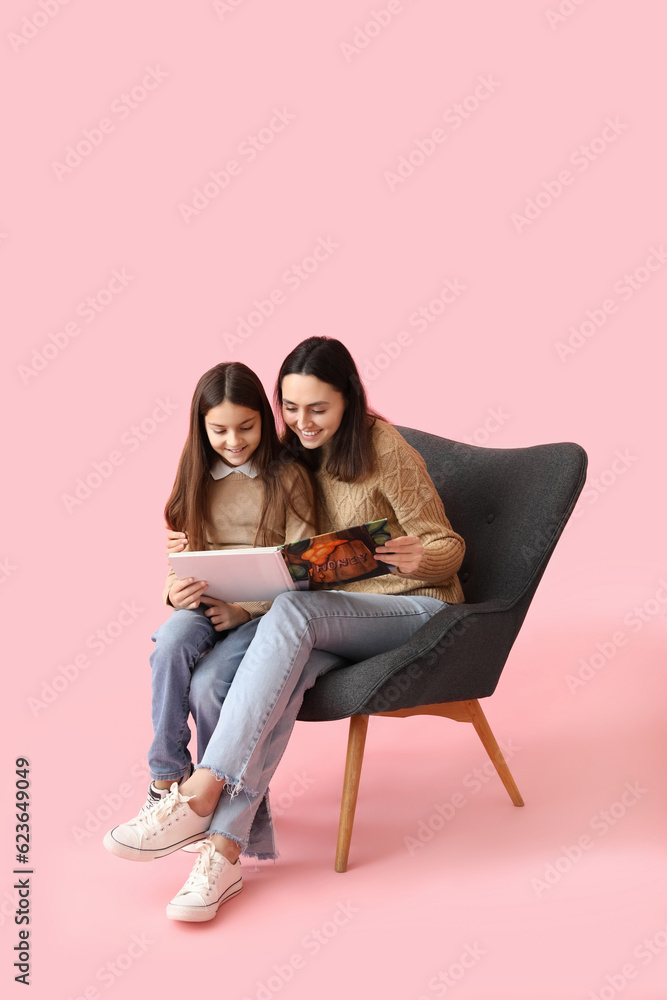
pixel 355 755
pixel 483 730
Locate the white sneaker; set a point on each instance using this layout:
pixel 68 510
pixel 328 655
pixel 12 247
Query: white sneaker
pixel 164 828
pixel 155 794
pixel 212 881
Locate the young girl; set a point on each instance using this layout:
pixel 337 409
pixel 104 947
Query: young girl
pixel 235 486
pixel 364 470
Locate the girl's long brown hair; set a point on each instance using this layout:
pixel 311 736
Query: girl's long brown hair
pixel 351 455
pixel 188 506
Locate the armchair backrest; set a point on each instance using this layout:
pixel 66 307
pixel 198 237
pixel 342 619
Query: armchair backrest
pixel 510 505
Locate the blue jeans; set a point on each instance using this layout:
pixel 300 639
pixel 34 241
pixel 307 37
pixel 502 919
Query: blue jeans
pixel 208 690
pixel 179 646
pixel 258 714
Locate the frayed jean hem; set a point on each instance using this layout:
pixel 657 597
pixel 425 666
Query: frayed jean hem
pixel 232 785
pixel 259 856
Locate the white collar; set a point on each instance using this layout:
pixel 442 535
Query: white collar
pixel 220 469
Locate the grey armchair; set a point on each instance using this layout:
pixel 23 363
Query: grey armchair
pixel 510 506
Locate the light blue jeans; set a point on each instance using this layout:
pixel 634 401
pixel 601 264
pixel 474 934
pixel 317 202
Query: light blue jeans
pixel 208 691
pixel 185 679
pixel 179 646
pixel 281 663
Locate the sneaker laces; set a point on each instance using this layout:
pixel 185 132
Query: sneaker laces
pixel 201 875
pixel 160 811
pixel 154 794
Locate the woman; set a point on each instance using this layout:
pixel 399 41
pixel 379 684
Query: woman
pixel 364 470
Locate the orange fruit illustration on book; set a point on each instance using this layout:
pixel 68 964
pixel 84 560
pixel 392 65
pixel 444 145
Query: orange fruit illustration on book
pixel 320 551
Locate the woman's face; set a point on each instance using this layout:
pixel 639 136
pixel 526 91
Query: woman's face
pixel 312 409
pixel 233 431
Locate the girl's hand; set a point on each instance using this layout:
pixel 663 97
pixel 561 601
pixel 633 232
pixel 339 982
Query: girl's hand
pixel 407 552
pixel 176 541
pixel 186 594
pixel 225 616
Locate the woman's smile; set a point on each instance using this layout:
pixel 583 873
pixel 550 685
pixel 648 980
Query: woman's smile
pixel 312 409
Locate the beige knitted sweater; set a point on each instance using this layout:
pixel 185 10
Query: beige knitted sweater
pixel 401 490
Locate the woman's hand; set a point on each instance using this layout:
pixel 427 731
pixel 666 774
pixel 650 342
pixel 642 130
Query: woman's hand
pixel 406 550
pixel 225 616
pixel 186 594
pixel 176 541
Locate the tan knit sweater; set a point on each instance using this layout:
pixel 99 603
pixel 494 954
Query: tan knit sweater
pixel 401 490
pixel 235 507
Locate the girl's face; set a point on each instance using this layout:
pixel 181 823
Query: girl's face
pixel 233 431
pixel 312 409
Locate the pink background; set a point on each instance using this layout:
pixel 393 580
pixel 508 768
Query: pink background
pixel 217 77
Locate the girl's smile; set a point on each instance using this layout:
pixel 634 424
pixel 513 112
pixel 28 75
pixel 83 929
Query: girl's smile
pixel 234 432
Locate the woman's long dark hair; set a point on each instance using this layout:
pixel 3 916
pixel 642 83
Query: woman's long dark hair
pixel 188 506
pixel 350 455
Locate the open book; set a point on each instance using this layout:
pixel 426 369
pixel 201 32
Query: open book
pixel 260 574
